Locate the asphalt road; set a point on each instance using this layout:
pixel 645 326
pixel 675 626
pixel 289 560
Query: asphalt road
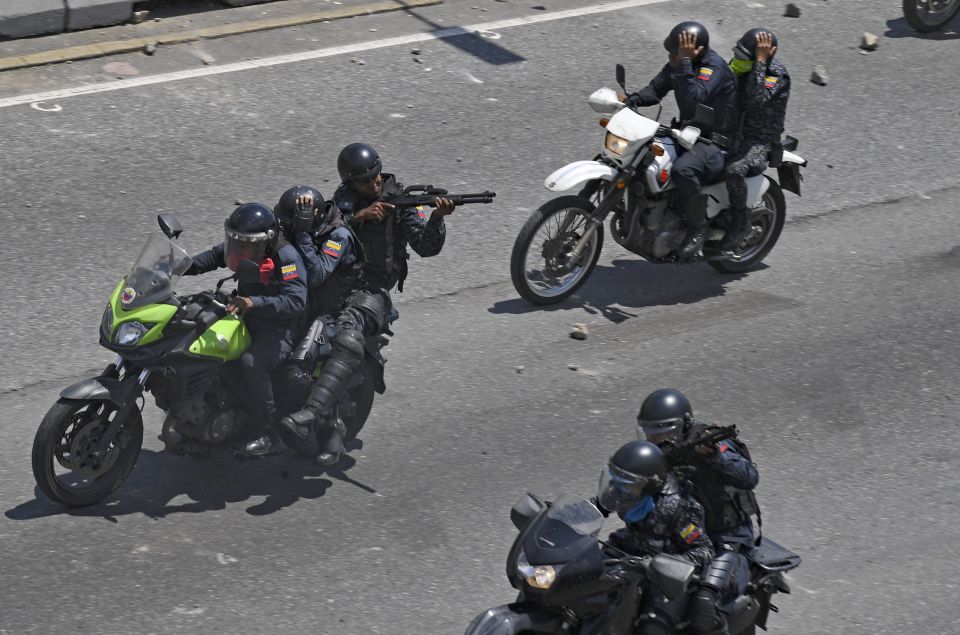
pixel 838 359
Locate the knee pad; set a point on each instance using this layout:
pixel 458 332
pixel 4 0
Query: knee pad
pixel 720 572
pixel 348 345
pixel 374 308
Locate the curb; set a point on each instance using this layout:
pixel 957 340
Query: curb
pixel 250 26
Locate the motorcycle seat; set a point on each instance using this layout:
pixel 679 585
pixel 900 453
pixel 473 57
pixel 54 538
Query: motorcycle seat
pixel 770 556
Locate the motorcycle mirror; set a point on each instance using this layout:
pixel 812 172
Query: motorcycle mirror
pixel 703 115
pixel 526 510
pixel 670 575
pixel 169 225
pixel 248 271
pixel 622 76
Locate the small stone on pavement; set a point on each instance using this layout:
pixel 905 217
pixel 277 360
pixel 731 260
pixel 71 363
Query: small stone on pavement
pixel 869 42
pixel 792 11
pixel 819 76
pixel 579 331
pixel 150 49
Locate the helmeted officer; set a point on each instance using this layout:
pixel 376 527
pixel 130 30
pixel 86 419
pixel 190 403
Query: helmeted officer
pixel 697 75
pixel 763 85
pixel 660 517
pixel 272 307
pixel 723 477
pixel 334 263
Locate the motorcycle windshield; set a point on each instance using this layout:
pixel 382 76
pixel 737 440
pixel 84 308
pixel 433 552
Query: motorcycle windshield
pixel 155 273
pixel 571 524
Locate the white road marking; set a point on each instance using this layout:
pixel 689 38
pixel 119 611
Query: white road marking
pixel 277 60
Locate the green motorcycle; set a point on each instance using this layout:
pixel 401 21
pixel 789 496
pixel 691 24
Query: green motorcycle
pixel 183 349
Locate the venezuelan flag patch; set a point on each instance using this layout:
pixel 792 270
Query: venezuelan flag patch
pixel 704 74
pixel 691 533
pixel 421 214
pixel 289 272
pixel 769 82
pixel 332 248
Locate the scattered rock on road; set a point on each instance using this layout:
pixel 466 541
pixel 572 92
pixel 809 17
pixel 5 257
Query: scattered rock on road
pixel 869 42
pixel 792 11
pixel 579 331
pixel 819 76
pixel 150 48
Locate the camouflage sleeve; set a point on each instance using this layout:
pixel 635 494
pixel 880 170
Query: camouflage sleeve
pixel 767 83
pixel 733 468
pixel 424 236
pixel 689 534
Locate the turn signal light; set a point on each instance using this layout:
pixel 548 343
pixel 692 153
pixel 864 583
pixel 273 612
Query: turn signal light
pixel 604 122
pixel 657 149
pixel 621 185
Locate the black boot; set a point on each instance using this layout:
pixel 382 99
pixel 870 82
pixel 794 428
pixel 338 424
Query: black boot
pixel 335 447
pixel 301 423
pixel 695 239
pixel 259 447
pixel 739 226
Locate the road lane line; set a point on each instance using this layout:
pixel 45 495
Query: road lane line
pixel 277 60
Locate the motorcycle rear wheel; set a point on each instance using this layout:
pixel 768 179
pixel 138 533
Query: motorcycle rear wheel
pixel 66 438
pixel 556 281
pixel 925 19
pixel 766 224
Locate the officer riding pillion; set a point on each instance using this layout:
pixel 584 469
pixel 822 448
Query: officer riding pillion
pixel 334 263
pixel 697 75
pixel 660 517
pixel 723 478
pixel 272 308
pixel 763 85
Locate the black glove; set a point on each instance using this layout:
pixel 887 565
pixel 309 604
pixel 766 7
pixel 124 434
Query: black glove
pixel 637 563
pixel 645 97
pixel 303 218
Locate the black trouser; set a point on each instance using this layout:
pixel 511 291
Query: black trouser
pixel 270 347
pixel 702 163
pixel 660 614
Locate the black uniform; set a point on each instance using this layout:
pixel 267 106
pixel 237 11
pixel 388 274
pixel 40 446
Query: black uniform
pixel 671 522
pixel 385 242
pixel 763 94
pixel 723 483
pixel 279 301
pixel 710 82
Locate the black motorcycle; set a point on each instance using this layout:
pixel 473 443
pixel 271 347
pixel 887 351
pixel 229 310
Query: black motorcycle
pixel 569 583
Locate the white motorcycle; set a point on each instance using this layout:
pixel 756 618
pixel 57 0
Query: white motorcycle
pixel 630 181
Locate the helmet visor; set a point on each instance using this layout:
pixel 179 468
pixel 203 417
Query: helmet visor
pixel 245 246
pixel 620 490
pixel 657 433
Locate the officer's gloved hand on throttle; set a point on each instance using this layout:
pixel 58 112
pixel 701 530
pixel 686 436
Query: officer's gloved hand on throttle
pixel 645 97
pixel 304 215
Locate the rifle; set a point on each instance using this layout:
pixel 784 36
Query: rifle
pixel 682 453
pixel 416 195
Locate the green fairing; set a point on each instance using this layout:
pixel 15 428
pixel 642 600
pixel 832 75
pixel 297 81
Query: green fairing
pixel 156 314
pixel 226 339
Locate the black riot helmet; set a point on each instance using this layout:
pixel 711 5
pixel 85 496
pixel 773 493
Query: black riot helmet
pixel 638 469
pixel 665 415
pixel 251 232
pixel 672 43
pixel 358 162
pixel 746 46
pixel 286 208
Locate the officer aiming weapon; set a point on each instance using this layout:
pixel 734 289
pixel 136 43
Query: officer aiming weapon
pixel 417 195
pixel 683 453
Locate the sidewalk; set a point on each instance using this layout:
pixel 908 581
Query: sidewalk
pixel 127 38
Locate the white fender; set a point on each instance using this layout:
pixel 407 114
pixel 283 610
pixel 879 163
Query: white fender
pixel 789 157
pixel 718 199
pixel 577 174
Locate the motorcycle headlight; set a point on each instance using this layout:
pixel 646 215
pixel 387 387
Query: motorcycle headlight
pixel 106 323
pixel 539 577
pixel 615 144
pixel 129 333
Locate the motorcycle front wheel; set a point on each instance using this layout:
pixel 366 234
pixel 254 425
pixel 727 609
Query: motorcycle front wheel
pixel 926 16
pixel 65 464
pixel 541 266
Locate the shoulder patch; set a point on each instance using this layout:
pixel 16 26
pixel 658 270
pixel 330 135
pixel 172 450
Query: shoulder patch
pixel 724 446
pixel 332 248
pixel 705 73
pixel 421 212
pixel 690 533
pixel 769 81
pixel 289 272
